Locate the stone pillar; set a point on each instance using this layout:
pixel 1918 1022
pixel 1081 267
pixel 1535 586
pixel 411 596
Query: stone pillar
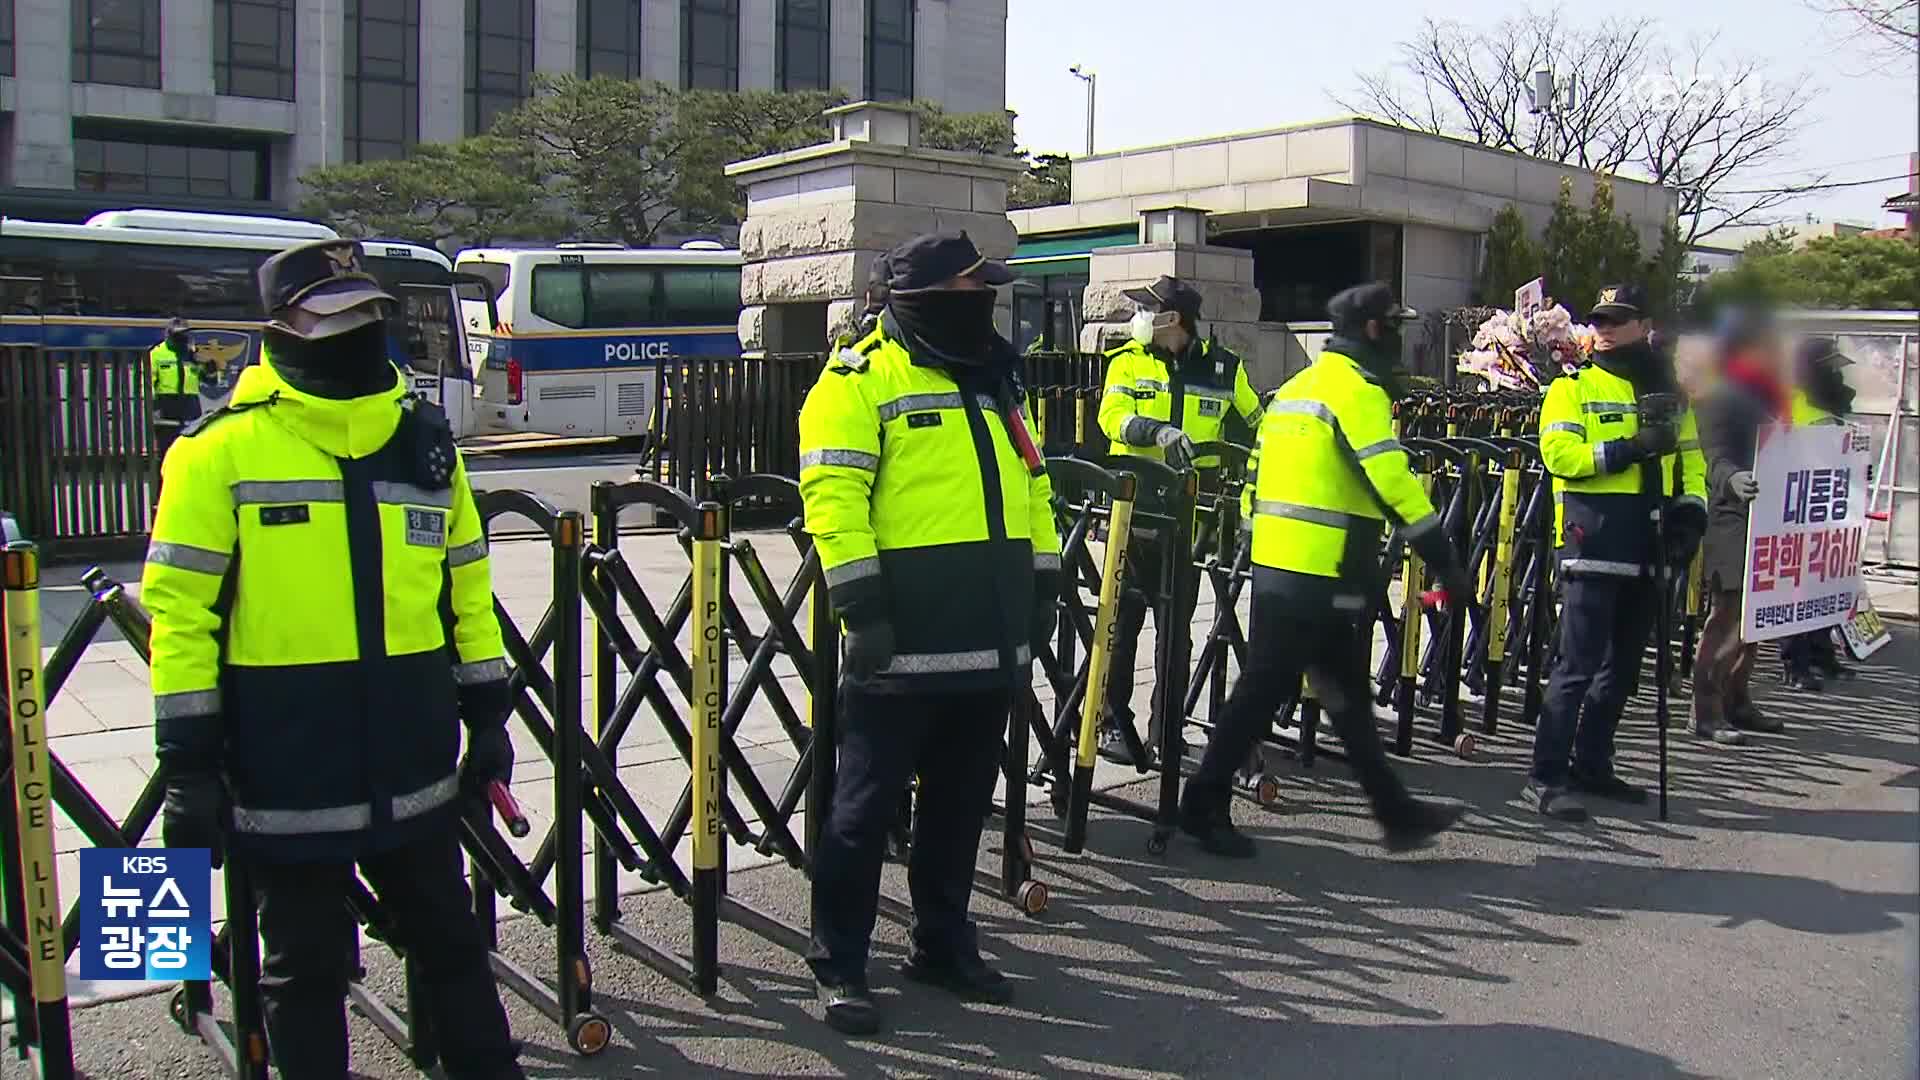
pixel 443 70
pixel 1173 241
pixel 847 45
pixel 556 30
pixel 756 44
pixel 42 154
pixel 660 41
pixel 186 46
pixel 319 30
pixel 817 217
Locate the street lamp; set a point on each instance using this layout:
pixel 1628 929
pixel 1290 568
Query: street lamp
pixel 1087 77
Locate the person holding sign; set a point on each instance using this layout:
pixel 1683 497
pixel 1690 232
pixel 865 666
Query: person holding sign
pixel 1621 445
pixel 1752 392
pixel 1821 398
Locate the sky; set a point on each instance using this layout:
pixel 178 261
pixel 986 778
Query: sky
pixel 1169 71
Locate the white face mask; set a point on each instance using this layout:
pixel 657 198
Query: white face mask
pixel 1145 324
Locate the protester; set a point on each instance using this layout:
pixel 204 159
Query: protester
pixel 1821 398
pixel 1752 392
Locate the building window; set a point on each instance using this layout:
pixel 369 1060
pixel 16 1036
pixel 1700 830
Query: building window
pixel 889 50
pixel 610 38
pixel 710 44
pixel 380 65
pixel 6 37
pixel 800 54
pixel 134 163
pixel 117 42
pixel 253 48
pixel 499 59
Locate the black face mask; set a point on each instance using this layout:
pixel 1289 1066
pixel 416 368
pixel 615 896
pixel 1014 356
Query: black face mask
pixel 344 366
pixel 955 325
pixel 182 345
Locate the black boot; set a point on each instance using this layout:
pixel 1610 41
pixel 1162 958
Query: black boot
pixel 1417 822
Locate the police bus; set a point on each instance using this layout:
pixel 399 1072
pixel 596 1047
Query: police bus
pixel 115 281
pixel 583 328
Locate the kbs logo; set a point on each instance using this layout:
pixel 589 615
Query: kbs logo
pixel 145 914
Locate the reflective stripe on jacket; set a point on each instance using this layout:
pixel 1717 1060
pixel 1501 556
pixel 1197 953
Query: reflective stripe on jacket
pixel 1603 513
pixel 332 618
pixel 1331 474
pixel 925 513
pixel 1140 390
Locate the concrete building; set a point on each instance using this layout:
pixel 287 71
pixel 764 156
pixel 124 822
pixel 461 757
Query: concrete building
pixel 224 104
pixel 1320 206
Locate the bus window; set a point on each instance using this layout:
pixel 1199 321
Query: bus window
pixel 701 296
pixel 621 296
pixel 496 276
pixel 560 295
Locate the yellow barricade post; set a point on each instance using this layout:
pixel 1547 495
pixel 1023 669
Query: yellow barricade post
pixel 1412 612
pixel 1106 622
pixel 33 789
pixel 709 690
pixel 1502 590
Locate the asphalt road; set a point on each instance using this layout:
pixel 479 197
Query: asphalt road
pixel 1768 930
pixel 561 477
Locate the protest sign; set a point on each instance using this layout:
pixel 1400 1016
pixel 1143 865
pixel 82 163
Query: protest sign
pixel 1805 530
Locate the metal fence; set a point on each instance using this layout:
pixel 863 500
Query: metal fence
pixel 77 460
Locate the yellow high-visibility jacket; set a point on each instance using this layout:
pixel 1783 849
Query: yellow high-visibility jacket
pixel 172 373
pixel 1806 415
pixel 1603 511
pixel 1210 384
pixel 926 514
pixel 321 616
pixel 1331 475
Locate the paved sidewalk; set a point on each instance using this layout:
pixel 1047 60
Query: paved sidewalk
pixel 1767 930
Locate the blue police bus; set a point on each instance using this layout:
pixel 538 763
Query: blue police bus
pixel 582 329
pixel 115 281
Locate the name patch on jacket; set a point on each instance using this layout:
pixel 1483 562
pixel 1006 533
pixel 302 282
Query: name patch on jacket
pixel 1211 406
pixel 283 515
pixel 923 419
pixel 426 528
pixel 1613 418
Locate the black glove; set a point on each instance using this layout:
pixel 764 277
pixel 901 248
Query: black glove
pixel 489 757
pixel 1654 440
pixel 193 815
pixel 1046 616
pixel 1437 553
pixel 869 648
pixel 1176 444
pixel 1685 524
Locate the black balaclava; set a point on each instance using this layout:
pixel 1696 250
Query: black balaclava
pixel 1640 364
pixel 952 326
pixel 338 367
pixel 1827 390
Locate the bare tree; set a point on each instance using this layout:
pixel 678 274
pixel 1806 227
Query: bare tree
pixel 1688 117
pixel 1890 27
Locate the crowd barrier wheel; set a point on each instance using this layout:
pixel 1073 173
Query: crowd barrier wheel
pixel 177 1009
pixel 1465 747
pixel 1266 791
pixel 588 1034
pixel 1034 898
pixel 1157 843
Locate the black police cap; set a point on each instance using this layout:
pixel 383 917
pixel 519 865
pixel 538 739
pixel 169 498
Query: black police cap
pixel 323 278
pixel 1357 305
pixel 1168 293
pixel 1625 301
pixel 929 259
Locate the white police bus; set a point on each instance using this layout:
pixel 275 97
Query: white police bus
pixel 115 281
pixel 582 330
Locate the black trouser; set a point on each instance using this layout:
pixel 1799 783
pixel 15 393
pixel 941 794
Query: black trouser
pixel 952 741
pixel 1333 650
pixel 1804 652
pixel 1604 625
pixel 309 934
pixel 1145 584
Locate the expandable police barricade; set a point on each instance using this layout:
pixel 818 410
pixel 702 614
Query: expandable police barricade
pixel 1162 502
pixel 32 950
pixel 705 737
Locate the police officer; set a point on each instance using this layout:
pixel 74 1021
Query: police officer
pixel 1331 476
pixel 929 504
pixel 176 383
pixel 1167 389
pixel 1821 398
pixel 1621 443
pixel 308 697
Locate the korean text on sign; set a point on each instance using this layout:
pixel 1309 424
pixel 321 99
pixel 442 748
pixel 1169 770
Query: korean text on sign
pixel 1805 531
pixel 146 914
